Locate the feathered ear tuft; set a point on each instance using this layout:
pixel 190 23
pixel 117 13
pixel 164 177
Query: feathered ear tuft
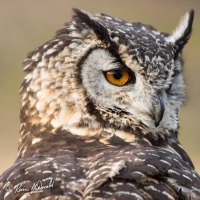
pixel 99 29
pixel 182 33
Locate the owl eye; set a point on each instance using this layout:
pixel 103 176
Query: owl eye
pixel 118 77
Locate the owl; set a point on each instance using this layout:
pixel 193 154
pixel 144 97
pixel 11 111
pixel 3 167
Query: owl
pixel 99 115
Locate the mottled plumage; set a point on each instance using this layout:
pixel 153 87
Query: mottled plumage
pixel 85 138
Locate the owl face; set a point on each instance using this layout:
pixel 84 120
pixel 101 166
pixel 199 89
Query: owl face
pixel 101 73
pixel 134 100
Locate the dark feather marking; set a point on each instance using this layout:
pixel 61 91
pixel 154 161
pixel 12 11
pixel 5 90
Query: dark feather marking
pixel 99 29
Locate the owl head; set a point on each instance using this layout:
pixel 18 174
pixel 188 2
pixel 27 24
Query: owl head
pixel 101 73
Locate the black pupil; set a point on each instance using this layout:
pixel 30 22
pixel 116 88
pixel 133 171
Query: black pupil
pixel 117 74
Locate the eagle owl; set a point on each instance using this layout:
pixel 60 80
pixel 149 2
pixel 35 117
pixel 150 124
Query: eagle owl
pixel 99 115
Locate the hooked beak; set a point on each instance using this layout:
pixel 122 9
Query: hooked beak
pixel 159 109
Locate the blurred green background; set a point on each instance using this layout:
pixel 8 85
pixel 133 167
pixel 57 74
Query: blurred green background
pixel 26 24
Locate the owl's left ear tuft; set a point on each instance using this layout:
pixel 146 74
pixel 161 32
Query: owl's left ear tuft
pixel 182 33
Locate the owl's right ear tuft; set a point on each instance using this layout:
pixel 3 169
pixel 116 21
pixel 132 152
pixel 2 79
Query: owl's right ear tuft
pixel 88 19
pixel 182 33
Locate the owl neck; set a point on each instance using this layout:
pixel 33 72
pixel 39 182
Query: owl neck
pixel 39 141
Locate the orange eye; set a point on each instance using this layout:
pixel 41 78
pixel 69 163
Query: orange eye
pixel 118 77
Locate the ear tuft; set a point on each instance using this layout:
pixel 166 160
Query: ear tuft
pixel 182 33
pixel 99 29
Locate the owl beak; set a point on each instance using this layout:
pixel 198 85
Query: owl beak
pixel 159 109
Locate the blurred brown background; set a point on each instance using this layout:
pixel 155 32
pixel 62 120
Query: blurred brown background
pixel 26 24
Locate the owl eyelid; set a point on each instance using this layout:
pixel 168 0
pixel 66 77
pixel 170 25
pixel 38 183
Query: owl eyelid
pixel 116 69
pixel 176 73
pixel 122 67
pixel 169 88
